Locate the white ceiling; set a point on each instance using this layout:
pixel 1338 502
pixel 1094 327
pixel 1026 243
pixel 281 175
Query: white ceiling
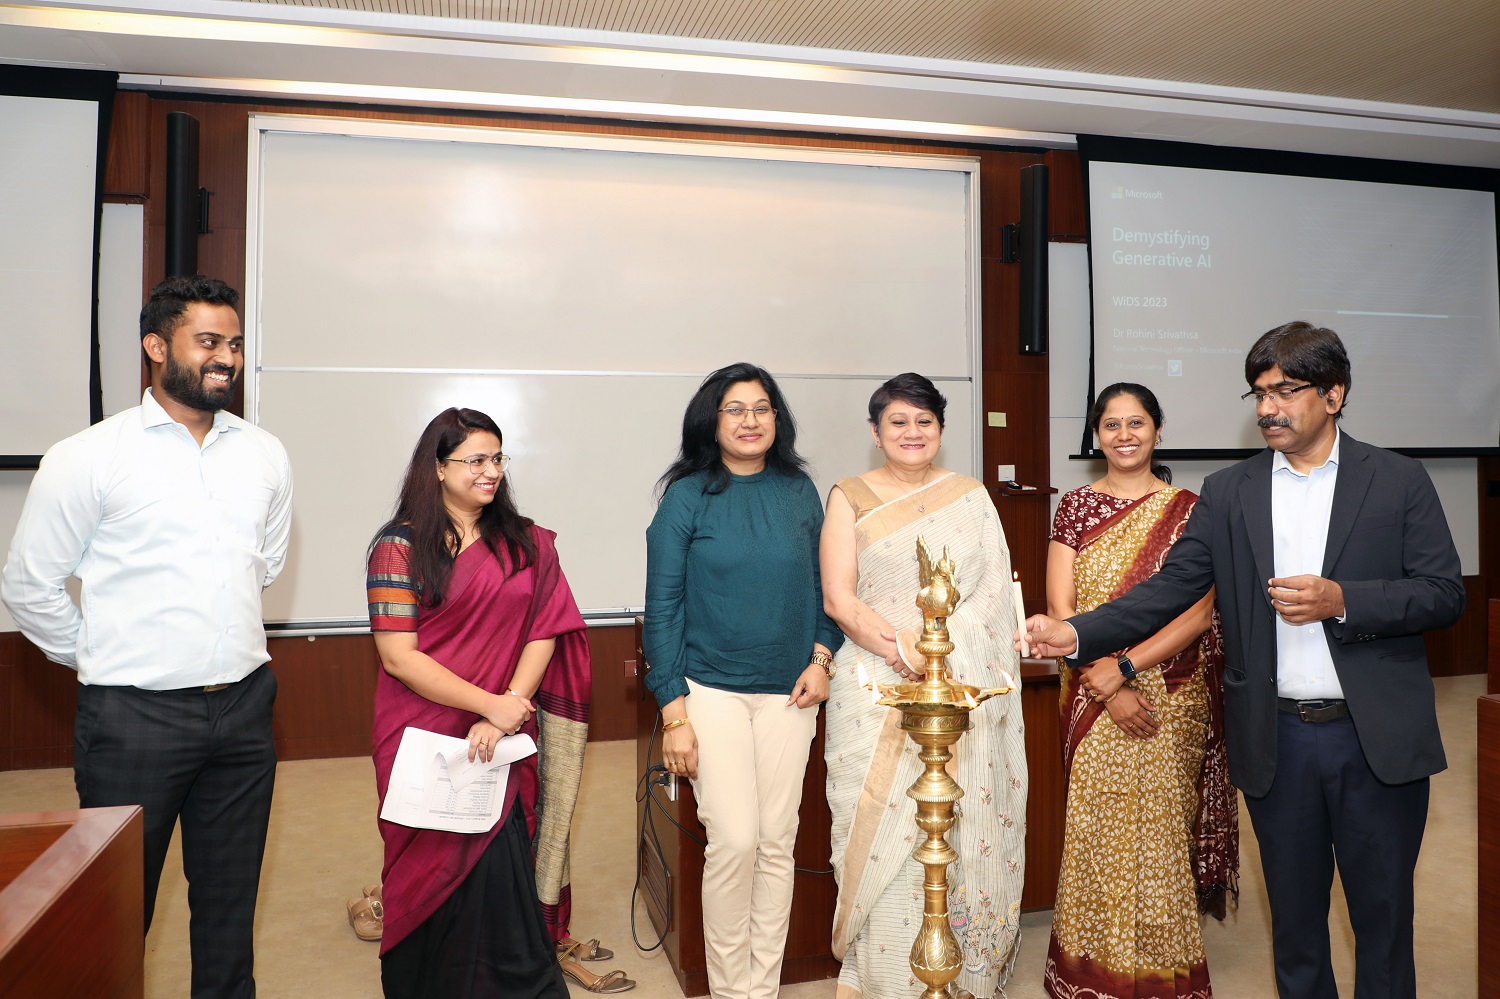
pixel 1375 78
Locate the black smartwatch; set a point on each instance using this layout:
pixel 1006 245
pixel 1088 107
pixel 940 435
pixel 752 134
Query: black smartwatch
pixel 1127 668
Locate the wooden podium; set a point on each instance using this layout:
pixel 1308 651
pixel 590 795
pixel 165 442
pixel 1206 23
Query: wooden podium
pixel 671 882
pixel 72 917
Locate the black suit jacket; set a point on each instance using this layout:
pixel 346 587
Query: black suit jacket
pixel 1388 547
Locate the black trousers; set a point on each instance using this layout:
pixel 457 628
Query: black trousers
pixel 1326 807
pixel 208 759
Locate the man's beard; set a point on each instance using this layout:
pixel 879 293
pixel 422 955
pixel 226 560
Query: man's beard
pixel 187 386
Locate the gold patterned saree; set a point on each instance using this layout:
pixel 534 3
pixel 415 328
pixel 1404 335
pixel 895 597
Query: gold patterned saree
pixel 1151 835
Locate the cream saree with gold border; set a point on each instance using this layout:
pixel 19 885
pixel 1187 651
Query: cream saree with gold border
pixel 871 762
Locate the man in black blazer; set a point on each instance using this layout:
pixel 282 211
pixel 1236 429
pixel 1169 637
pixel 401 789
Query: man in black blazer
pixel 1331 557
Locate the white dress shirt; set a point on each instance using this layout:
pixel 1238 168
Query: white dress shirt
pixel 1300 509
pixel 173 543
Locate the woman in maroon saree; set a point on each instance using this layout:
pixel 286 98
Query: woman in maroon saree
pixel 476 628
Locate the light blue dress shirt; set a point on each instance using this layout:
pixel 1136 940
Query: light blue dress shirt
pixel 1300 509
pixel 172 542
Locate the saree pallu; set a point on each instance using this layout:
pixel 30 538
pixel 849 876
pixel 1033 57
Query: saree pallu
pixel 478 632
pixel 871 762
pixel 1151 834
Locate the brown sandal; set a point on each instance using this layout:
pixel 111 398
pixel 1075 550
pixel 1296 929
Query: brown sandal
pixel 606 984
pixel 585 950
pixel 367 917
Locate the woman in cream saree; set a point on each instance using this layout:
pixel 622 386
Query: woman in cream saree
pixel 871 762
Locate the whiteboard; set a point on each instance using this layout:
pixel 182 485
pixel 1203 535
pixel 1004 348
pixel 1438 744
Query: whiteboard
pixel 48 152
pixel 577 288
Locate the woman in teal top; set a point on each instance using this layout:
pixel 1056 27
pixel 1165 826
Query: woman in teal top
pixel 740 654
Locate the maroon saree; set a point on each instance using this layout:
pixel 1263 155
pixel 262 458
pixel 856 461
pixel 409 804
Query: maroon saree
pixel 478 632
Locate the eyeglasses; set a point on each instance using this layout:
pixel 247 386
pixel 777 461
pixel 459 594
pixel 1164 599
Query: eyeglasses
pixel 1281 393
pixel 739 413
pixel 477 462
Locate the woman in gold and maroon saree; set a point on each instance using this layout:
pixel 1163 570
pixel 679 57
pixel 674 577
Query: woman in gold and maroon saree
pixel 1151 833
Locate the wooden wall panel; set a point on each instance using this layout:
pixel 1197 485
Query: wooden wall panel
pixel 617 688
pixel 325 696
pixel 1493 651
pixel 324 702
pixel 9 642
pixel 1489 525
pixel 327 686
pixel 1488 746
pixel 1047 793
pixel 44 697
pixel 1460 648
pixel 1067 209
pixel 127 163
pixel 1012 383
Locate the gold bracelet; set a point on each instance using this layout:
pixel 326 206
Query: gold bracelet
pixel 669 726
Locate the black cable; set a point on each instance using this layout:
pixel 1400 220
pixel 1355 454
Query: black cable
pixel 643 788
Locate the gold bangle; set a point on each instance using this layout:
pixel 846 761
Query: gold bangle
pixel 669 726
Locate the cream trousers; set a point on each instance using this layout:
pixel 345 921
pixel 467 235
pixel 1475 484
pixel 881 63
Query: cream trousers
pixel 752 754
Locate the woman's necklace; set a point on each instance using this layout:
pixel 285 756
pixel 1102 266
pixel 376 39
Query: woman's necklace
pixel 905 492
pixel 1108 488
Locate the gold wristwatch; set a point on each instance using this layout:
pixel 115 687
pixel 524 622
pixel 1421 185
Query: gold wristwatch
pixel 824 660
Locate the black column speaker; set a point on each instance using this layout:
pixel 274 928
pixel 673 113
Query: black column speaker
pixel 182 194
pixel 1033 259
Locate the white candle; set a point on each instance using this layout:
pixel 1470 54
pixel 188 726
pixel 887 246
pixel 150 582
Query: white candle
pixel 1020 612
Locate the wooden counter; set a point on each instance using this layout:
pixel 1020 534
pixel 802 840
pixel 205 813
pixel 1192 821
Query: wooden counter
pixel 72 909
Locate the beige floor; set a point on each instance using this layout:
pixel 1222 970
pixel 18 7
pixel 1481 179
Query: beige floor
pixel 323 846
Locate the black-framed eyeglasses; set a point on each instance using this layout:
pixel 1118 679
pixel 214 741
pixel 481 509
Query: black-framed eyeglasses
pixel 1281 393
pixel 739 413
pixel 477 462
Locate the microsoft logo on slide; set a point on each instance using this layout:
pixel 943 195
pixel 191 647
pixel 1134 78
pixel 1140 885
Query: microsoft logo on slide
pixel 1120 194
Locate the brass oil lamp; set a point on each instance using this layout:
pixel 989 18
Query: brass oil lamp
pixel 935 713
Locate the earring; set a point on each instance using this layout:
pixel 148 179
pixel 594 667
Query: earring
pixel 1158 440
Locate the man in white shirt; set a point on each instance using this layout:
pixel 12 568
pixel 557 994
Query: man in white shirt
pixel 174 516
pixel 1330 558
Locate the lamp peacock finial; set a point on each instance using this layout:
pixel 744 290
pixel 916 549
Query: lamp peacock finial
pixel 939 594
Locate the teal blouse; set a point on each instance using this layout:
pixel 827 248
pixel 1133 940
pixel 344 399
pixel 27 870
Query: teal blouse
pixel 733 595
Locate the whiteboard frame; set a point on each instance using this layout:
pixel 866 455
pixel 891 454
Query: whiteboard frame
pixel 260 125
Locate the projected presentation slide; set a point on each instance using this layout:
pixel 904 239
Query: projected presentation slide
pixel 1189 266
